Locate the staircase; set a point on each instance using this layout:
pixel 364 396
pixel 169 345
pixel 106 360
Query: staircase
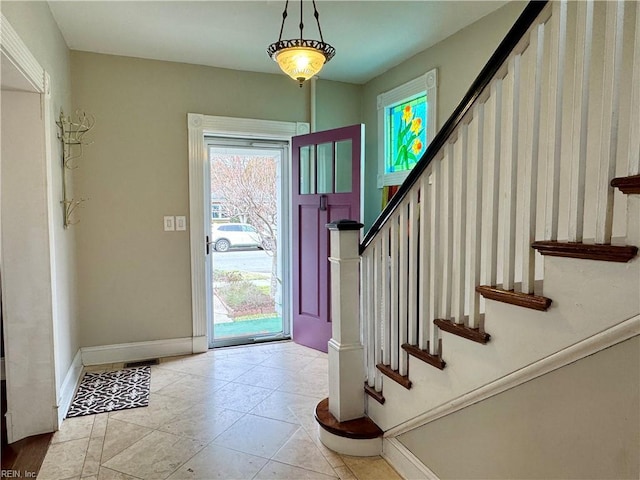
pixel 511 249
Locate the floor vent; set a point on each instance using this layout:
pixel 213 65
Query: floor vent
pixel 142 363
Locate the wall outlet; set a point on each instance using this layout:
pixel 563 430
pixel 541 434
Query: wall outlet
pixel 181 223
pixel 169 223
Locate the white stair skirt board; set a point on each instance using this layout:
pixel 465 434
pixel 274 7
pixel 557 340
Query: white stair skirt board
pixel 129 352
pixel 405 462
pixel 69 386
pixel 605 339
pixel 351 446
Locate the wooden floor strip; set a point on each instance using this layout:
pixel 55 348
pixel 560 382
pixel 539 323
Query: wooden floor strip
pixel 26 456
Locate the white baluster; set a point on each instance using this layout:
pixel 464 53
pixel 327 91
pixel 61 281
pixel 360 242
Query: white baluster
pixel 364 326
pixel 403 272
pixel 368 280
pixel 531 157
pixel 510 172
pixel 634 121
pixel 609 119
pixel 378 311
pixel 476 160
pixel 436 252
pixel 580 119
pixel 494 151
pixel 558 27
pixel 386 310
pixel 415 231
pixel 426 259
pixel 447 233
pixel 393 298
pixel 459 164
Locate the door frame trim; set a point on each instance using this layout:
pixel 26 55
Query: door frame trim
pixel 198 126
pixel 20 423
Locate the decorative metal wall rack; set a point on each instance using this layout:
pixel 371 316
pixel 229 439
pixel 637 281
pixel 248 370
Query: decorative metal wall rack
pixel 71 135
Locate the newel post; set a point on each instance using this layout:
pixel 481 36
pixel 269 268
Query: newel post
pixel 346 353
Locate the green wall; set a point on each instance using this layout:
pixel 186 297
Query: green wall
pixel 459 58
pixel 580 421
pixel 133 279
pixel 135 282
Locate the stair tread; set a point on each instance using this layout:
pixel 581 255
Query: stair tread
pixel 377 396
pixel 417 352
pixel 588 251
pixel 473 334
pixel 527 300
pixel 360 428
pixel 628 185
pixel 395 375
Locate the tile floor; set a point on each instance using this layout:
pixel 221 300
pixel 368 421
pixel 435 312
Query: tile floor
pixel 235 413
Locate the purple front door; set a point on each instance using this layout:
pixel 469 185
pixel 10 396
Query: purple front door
pixel 326 188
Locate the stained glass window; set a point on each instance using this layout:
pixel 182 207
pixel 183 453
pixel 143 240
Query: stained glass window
pixel 407 134
pixel 406 125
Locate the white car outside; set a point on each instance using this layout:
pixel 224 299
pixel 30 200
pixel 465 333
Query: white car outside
pixel 231 235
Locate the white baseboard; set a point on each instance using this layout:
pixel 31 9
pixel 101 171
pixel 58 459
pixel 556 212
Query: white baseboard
pixel 131 352
pixel 69 385
pixel 405 462
pixel 589 346
pixel 200 344
pixel 364 447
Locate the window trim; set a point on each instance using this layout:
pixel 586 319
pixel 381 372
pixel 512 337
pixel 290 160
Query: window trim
pixel 425 83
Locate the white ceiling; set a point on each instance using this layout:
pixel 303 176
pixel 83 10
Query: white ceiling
pixel 369 36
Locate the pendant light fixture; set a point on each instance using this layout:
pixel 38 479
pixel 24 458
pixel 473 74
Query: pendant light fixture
pixel 300 58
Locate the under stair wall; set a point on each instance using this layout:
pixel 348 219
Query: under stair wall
pixel 524 165
pixel 580 421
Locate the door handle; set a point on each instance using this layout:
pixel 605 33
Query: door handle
pixel 207 243
pixel 323 203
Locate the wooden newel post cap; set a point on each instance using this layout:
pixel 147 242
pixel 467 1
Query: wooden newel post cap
pixel 344 225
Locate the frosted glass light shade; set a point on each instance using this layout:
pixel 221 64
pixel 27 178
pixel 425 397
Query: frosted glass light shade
pixel 300 63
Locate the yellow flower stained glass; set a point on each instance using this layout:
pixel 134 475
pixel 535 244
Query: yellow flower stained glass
pixel 407 138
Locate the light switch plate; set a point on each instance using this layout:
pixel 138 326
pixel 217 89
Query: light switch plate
pixel 169 223
pixel 181 222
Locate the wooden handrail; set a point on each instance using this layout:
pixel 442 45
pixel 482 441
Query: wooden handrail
pixel 526 19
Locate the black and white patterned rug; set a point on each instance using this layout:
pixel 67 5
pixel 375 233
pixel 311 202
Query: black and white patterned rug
pixel 109 391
